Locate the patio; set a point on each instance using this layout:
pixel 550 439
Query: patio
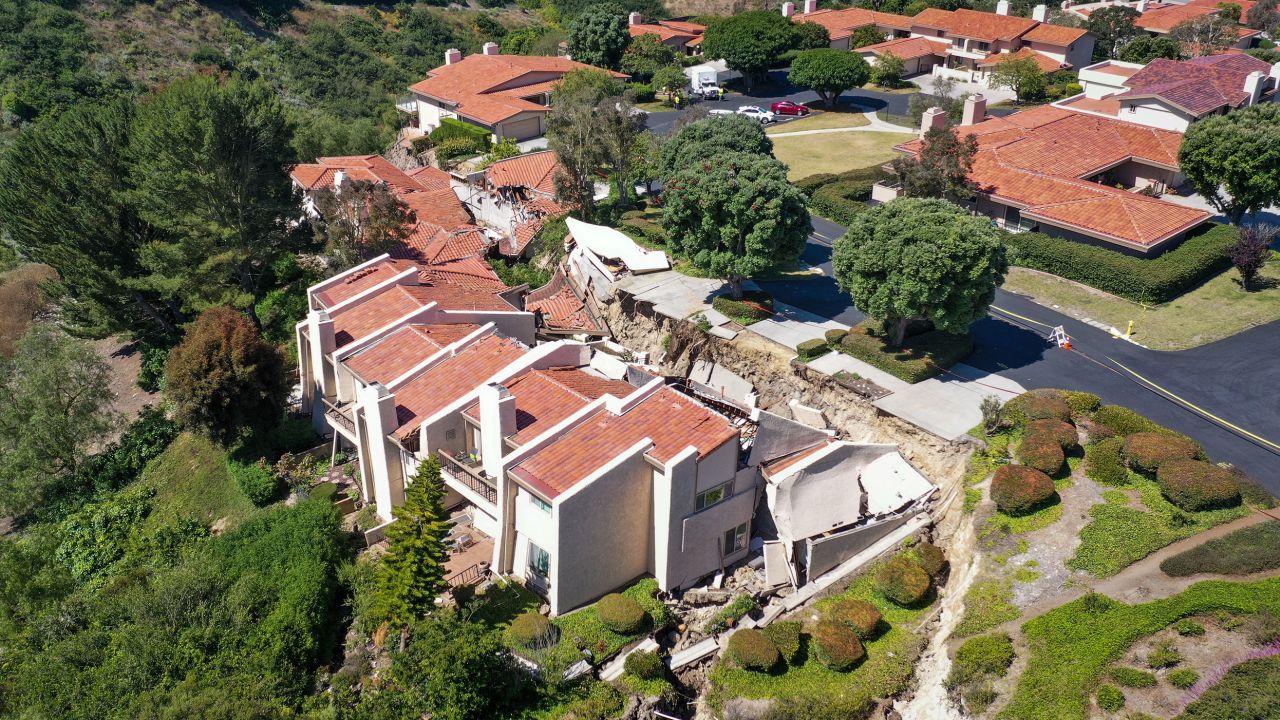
pixel 472 552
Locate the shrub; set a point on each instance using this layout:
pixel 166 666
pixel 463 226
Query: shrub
pixel 645 665
pixel 931 558
pixel 920 358
pixel 754 306
pixel 1188 627
pixel 1110 698
pixel 1133 677
pixel 1263 627
pixel 151 374
pixel 836 645
pixel 256 481
pixel 902 581
pixel 739 606
pixel 810 349
pixel 979 656
pixel 841 201
pixel 1036 405
pixel 752 650
pixel 1082 404
pixel 1163 655
pixel 978 696
pixel 532 631
pixel 1146 451
pixel 1124 421
pixel 834 336
pixel 1183 678
pixel 643 92
pixel 1197 485
pixel 992 414
pixel 861 616
pixel 1018 490
pixel 1244 551
pixel 1062 433
pixel 1154 280
pixel 452 128
pixel 621 614
pixel 324 491
pixel 1104 463
pixel 812 182
pixel 457 147
pixel 785 635
pixel 1097 432
pixel 1041 453
pixel 1249 690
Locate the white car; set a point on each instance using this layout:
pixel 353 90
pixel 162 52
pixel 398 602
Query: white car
pixel 757 113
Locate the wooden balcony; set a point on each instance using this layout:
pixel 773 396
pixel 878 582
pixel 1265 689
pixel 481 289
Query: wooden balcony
pixel 339 416
pixel 468 474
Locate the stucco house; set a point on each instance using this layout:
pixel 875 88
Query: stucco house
pixel 842 24
pixel 683 37
pixel 505 94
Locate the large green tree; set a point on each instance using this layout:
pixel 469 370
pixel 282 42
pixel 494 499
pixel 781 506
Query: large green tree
pixel 1145 48
pixel 208 159
pixel 864 36
pixel 1206 35
pixel 411 574
pixel 711 136
pixel 917 259
pixel 599 36
pixel 645 55
pixel 1233 160
pixel 1021 75
pixel 735 215
pixel 829 72
pixel 619 125
pixel 223 378
pixel 750 42
pixel 55 408
pixel 572 132
pixel 1113 26
pixel 362 220
pixel 1263 16
pixel 941 168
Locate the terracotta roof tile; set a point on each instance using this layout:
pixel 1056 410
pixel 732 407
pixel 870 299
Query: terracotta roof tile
pixel 973 24
pixel 561 307
pixel 535 171
pixel 398 352
pixel 546 397
pixel 1165 18
pixel 664 33
pixel 358 282
pixel 451 379
pixel 1044 62
pixel 1059 35
pixel 432 244
pixel 471 273
pixel 394 303
pixel 688 27
pixel 841 24
pixel 1199 86
pixel 523 234
pixel 907 48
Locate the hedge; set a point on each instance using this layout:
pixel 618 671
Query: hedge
pixel 754 306
pixel 1153 280
pixel 531 630
pixel 451 148
pixel 841 201
pixel 644 92
pixel 1097 432
pixel 1036 405
pixel 1041 452
pixel 920 358
pixel 931 558
pixel 834 336
pixel 810 349
pixel 785 635
pixel 621 614
pixel 836 645
pixel 1018 490
pixel 1063 433
pixel 1103 462
pixel 1124 421
pixel 649 231
pixel 1147 451
pixel 861 616
pixel 903 581
pixel 1182 678
pixel 1197 485
pixel 753 650
pixel 451 128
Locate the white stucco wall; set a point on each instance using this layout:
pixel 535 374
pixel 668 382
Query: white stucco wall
pixel 1154 113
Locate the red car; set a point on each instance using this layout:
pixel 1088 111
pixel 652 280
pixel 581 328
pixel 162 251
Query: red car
pixel 786 107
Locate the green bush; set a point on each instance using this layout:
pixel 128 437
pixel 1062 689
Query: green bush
pixel 785 635
pixel 1110 698
pixel 841 201
pixel 1154 280
pixel 452 129
pixel 1244 551
pixel 810 183
pixel 903 581
pixel 1124 421
pixel 980 656
pixel 1042 453
pixel 1183 678
pixel 810 349
pixel 256 481
pixel 920 358
pixel 1133 677
pixel 755 305
pixel 532 631
pixel 1195 485
pixel 1163 655
pixel 1018 490
pixel 931 558
pixel 861 616
pixel 447 150
pixel 834 336
pixel 1036 405
pixel 1147 451
pixel 646 231
pixel 645 665
pixel 836 645
pixel 1188 627
pixel 621 614
pixel 1063 433
pixel 1097 432
pixel 643 92
pixel 1104 463
pixel 753 650
pixel 1249 690
pixel 324 491
pixel 151 374
pixel 739 606
pixel 1082 404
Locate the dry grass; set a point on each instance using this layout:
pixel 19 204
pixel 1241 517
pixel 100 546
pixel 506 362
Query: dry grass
pixel 824 120
pixel 21 298
pixel 1219 308
pixel 835 152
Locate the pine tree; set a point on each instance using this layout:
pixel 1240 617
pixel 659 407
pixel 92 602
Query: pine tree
pixel 411 574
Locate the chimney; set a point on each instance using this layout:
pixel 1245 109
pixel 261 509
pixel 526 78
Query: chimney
pixel 1275 75
pixel 975 110
pixel 380 420
pixel 339 178
pixel 934 117
pixel 452 55
pixel 634 19
pixel 497 421
pixel 1254 85
pixel 1002 7
pixel 788 9
pixel 810 6
pixel 1142 6
pixel 490 48
pixel 1040 13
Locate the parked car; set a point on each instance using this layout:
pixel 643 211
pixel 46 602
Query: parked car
pixel 757 113
pixel 786 107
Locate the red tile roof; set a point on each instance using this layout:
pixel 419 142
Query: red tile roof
pixel 451 379
pixel 689 27
pixel 841 24
pixel 973 24
pixel 1044 62
pixel 398 352
pixel 664 33
pixel 1165 18
pixel 430 178
pixel 431 244
pixel 471 273
pixel 471 85
pixel 386 307
pixel 535 171
pixel 523 234
pixel 546 397
pixel 670 420
pixel 370 168
pixel 907 48
pixel 561 307
pixel 1059 35
pixel 1199 86
pixel 359 281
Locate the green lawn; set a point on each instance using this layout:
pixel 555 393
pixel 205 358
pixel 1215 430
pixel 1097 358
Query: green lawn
pixel 886 671
pixel 191 480
pixel 1073 645
pixel 825 120
pixel 1216 309
pixel 502 602
pixel 807 155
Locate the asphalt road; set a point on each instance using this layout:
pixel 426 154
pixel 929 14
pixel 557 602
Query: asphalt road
pixel 1237 379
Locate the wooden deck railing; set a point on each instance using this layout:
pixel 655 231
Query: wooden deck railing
pixel 459 472
pixel 469 576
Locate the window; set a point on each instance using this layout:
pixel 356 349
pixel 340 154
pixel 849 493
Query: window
pixel 542 505
pixel 983 47
pixel 707 498
pixel 735 539
pixel 539 561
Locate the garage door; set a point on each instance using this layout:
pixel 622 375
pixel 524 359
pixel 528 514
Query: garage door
pixel 521 129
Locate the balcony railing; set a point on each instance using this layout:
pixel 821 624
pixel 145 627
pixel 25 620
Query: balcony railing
pixel 337 415
pixel 470 576
pixel 469 478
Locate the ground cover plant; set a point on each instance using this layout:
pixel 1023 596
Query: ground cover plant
pixel 586 629
pixel 1249 691
pixel 920 358
pixel 1247 550
pixel 986 605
